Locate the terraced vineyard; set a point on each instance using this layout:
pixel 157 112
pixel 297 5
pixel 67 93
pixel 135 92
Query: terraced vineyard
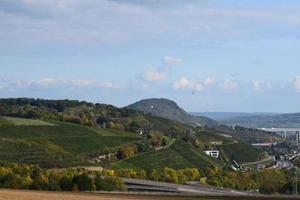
pixel 241 152
pixel 214 136
pixel 178 155
pixel 182 154
pixel 61 144
pixel 58 144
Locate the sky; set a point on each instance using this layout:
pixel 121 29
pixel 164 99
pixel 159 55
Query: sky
pixel 207 55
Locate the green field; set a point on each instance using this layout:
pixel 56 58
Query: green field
pixel 25 122
pixel 61 144
pixel 241 152
pixel 213 136
pixel 179 155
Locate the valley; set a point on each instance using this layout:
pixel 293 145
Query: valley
pixel 93 140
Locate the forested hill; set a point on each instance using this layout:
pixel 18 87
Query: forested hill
pixel 81 112
pixel 170 110
pixel 127 119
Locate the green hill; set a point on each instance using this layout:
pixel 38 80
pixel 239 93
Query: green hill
pixel 170 110
pixel 179 155
pixel 58 144
pixel 71 133
pixel 183 154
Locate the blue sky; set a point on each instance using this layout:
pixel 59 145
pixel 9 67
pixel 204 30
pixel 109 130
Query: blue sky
pixel 206 55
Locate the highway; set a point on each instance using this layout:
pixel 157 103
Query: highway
pixel 192 189
pixel 280 129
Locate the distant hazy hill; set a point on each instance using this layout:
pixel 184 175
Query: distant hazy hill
pixel 169 109
pixel 259 121
pixel 228 115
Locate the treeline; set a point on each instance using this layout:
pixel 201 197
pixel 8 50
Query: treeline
pixel 170 175
pixel 17 176
pixel 154 140
pixel 21 176
pixel 81 112
pixel 58 105
pixel 268 181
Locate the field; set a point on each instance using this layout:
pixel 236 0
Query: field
pixel 240 152
pixel 60 144
pixel 178 155
pixel 38 195
pixel 232 148
pixel 213 136
pixel 26 122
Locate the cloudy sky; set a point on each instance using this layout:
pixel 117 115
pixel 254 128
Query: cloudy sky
pixel 207 55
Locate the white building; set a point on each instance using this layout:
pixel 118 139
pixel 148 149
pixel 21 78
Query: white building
pixel 212 153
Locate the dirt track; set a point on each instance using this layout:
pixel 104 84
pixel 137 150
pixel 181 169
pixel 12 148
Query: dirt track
pixel 40 195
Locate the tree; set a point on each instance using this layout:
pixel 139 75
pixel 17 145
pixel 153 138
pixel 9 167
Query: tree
pixel 99 182
pixel 40 182
pixel 272 180
pixel 111 183
pixel 170 175
pixel 84 182
pixel 65 183
pixel 12 181
pixel 154 175
pixel 192 174
pixel 127 151
pixel 53 183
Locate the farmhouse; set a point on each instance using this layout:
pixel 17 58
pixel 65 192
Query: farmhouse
pixel 217 143
pixel 212 153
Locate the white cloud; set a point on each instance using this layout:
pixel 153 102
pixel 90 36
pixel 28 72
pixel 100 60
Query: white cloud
pixel 159 74
pixel 269 86
pixel 169 61
pixel 297 83
pixel 209 81
pixel 261 86
pixel 54 83
pixel 109 85
pixel 154 75
pixel 185 83
pixel 256 85
pixel 228 85
pixel 47 82
pixel 81 83
pixel 105 21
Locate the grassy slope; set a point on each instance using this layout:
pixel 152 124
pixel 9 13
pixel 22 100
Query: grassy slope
pixel 26 122
pixel 241 152
pixel 62 144
pixel 232 148
pixel 179 155
pixel 65 144
pixel 209 135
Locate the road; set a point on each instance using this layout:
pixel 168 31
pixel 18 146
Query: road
pixel 193 189
pixel 259 162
